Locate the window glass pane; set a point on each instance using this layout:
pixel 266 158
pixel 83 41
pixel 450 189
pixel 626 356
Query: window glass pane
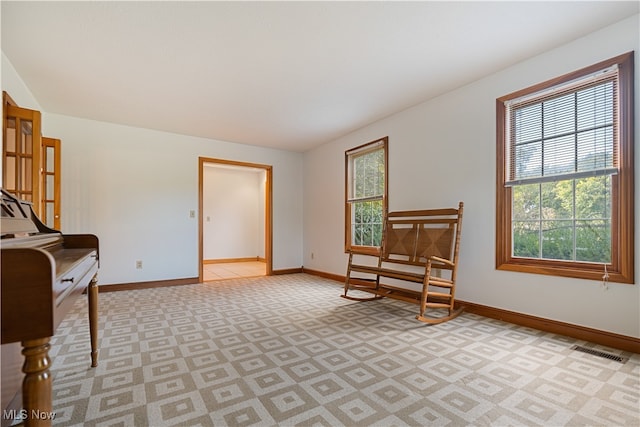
pixel 557 240
pixel 357 234
pixel 367 236
pixel 11 135
pixel 380 166
pixel 26 145
pixel 367 223
pixel 557 199
pixel 10 173
pixel 526 202
pixel 25 174
pixel 528 158
pixel 377 234
pixel 358 214
pixel 593 241
pixel 48 219
pixel 367 220
pixel 595 149
pixel 593 198
pixel 358 176
pixel 528 123
pixel 558 115
pixel 559 155
pixel 49 157
pixel 368 174
pixel 595 106
pixel 49 187
pixel 526 239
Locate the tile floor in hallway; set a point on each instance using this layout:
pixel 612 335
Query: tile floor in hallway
pixel 233 270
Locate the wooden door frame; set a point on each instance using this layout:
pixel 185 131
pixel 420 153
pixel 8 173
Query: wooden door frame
pixel 268 203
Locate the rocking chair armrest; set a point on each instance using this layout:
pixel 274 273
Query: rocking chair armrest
pixel 441 260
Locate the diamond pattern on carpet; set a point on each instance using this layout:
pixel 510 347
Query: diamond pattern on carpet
pixel 286 350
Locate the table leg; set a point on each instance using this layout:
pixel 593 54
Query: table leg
pixel 92 293
pixel 37 383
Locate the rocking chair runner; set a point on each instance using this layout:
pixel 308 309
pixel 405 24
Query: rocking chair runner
pixel 419 247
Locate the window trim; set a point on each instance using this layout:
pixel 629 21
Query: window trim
pixel 348 247
pixel 621 268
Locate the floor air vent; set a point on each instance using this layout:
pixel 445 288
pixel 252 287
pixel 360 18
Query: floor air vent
pixel 602 354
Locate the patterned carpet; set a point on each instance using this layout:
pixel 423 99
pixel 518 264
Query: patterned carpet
pixel 287 350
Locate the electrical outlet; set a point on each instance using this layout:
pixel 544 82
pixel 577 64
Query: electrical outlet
pixel 313 255
pixel 139 264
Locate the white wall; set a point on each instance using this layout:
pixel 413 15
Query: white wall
pixel 14 86
pixel 443 151
pixel 134 189
pixel 233 210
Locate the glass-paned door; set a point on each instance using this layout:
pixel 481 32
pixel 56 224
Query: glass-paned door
pixel 51 182
pixel 22 151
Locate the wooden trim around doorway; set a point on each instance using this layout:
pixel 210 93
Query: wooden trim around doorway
pixel 268 238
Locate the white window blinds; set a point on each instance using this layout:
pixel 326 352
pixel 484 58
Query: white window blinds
pixel 565 132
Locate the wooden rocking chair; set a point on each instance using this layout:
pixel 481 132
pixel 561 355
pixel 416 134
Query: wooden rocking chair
pixel 420 247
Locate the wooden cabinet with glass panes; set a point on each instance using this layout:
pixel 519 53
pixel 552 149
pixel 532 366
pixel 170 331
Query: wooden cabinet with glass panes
pixel 30 162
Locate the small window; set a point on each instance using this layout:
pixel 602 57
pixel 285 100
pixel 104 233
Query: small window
pixel 365 195
pixel 565 175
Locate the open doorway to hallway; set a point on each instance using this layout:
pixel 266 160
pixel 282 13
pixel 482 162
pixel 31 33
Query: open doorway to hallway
pixel 233 270
pixel 235 226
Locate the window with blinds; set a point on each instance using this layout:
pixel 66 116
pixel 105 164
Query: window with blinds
pixel 565 174
pixel 567 132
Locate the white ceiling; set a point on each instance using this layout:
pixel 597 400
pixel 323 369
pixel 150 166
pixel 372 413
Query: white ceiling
pixel 289 75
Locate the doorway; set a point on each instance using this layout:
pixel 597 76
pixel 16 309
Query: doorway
pixel 226 243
